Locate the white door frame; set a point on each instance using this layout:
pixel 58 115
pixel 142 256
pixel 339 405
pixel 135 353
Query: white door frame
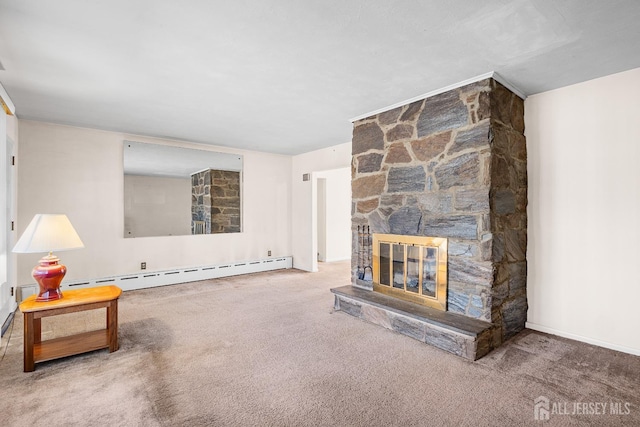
pixel 7 212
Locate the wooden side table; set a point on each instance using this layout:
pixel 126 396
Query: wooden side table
pixel 36 350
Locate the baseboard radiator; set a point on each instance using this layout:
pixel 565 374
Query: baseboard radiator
pixel 150 279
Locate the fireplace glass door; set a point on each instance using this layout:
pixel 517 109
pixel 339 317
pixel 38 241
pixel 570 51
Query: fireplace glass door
pixel 411 267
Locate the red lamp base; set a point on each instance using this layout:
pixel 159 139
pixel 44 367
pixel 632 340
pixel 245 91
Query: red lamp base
pixel 49 274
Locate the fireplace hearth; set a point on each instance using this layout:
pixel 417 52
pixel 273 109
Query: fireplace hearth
pixel 441 185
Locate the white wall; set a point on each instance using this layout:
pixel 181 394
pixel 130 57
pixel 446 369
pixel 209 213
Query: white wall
pixel 79 172
pixel 583 146
pixel 336 205
pixel 304 200
pixel 321 219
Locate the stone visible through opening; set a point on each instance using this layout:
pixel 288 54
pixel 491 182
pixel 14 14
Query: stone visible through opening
pixel 413 268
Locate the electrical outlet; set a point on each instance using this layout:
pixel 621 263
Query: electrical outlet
pixel 268 253
pixel 143 266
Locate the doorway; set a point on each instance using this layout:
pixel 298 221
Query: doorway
pixel 333 215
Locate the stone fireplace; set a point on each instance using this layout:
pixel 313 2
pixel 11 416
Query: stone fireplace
pixel 450 167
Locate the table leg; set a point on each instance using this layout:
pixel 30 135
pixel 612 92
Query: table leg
pixel 112 325
pixel 37 330
pixel 29 362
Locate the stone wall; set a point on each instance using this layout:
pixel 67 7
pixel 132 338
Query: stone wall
pixel 215 199
pixel 452 165
pixel 201 199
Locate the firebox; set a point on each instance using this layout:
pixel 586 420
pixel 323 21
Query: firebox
pixel 413 268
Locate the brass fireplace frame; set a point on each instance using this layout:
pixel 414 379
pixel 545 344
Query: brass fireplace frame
pixel 439 300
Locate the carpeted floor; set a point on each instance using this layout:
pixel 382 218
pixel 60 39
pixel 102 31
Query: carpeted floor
pixel 267 349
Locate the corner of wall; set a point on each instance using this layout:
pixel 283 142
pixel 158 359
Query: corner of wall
pixel 303 199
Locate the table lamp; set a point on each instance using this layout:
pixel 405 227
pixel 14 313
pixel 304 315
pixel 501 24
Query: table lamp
pixel 48 233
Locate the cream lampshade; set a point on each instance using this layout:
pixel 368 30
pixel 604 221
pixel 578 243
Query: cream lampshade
pixel 48 233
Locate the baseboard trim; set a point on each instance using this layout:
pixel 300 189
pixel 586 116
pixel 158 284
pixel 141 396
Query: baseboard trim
pixel 150 279
pixel 7 322
pixel 552 331
pixel 336 259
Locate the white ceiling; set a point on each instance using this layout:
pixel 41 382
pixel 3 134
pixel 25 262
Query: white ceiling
pixel 285 76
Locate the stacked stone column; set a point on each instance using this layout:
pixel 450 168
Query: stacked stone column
pixel 453 165
pixel 215 199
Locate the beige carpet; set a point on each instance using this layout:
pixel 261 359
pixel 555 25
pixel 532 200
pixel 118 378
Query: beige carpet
pixel 267 349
